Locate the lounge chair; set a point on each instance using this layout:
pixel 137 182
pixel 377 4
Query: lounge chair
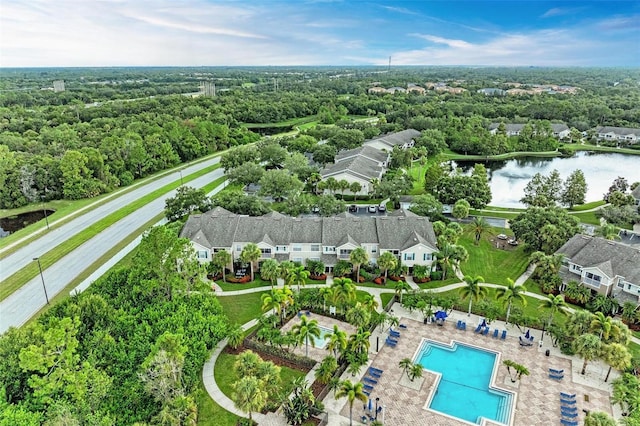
pixel 556 376
pixel 567 401
pixel 562 394
pixel 367 387
pixel 377 370
pixel 478 329
pixel 551 370
pixel 485 331
pixel 459 324
pixel 402 326
pixel 495 333
pixel 370 380
pixel 394 333
pixel 524 342
pixel 569 414
pixel 391 338
pixel 366 393
pixel 569 409
pixel 568 422
pixel 374 372
pixel 463 326
pixel 391 343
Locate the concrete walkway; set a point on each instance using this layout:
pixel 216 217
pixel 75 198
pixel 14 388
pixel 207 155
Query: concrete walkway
pixel 333 408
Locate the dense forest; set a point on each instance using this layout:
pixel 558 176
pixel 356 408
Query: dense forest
pixel 112 126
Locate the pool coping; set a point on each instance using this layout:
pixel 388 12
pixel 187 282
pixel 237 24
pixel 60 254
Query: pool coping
pixel 492 383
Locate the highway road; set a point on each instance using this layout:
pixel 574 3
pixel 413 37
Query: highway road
pixel 30 298
pixel 21 257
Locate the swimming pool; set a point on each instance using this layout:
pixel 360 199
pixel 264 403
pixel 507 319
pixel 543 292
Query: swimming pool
pixel 464 390
pixel 324 337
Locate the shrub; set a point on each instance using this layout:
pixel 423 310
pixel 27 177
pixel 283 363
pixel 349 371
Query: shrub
pixel 436 275
pixel 379 281
pixel 342 268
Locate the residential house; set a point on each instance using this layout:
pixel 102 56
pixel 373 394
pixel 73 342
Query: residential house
pixel 636 195
pixel 560 131
pixel 605 267
pixel 408 236
pixel 492 91
pixel 620 134
pixel 404 139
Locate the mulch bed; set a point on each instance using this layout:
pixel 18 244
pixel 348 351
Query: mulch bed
pixel 268 357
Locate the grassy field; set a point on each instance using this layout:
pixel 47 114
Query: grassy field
pixel 587 206
pixel 243 308
pixel 210 413
pixel 493 264
pixel 30 270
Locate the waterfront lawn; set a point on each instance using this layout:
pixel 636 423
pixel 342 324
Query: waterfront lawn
pixel 493 264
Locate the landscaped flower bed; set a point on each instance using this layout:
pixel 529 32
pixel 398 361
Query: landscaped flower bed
pixel 241 280
pixel 380 281
pixel 321 277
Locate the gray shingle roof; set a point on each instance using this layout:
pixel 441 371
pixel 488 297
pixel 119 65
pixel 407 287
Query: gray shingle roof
pixel 364 151
pixel 219 229
pixel 636 193
pixel 619 130
pixel 611 257
pixel 358 166
pixel 514 127
pixel 398 138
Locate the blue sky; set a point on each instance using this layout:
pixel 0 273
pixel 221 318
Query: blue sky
pixel 318 32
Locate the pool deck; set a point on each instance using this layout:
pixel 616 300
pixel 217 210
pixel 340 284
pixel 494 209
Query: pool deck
pixel 537 395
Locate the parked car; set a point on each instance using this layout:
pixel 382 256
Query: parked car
pixel 382 208
pixel 353 208
pixel 315 209
pixel 372 209
pixel 502 237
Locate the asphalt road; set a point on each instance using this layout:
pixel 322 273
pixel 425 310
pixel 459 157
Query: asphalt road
pixel 30 298
pixel 18 259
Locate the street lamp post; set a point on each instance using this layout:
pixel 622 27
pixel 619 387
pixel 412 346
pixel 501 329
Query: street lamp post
pixel 181 181
pixel 46 296
pixel 377 400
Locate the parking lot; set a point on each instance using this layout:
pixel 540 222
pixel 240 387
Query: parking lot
pixel 366 210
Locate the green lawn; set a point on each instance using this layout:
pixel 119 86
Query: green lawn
pixel 386 297
pixel 226 377
pixel 634 348
pixel 586 217
pixel 587 206
pixel 210 413
pixel 493 264
pixel 257 282
pixel 242 308
pixel 451 279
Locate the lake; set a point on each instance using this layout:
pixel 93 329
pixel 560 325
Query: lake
pixel 508 178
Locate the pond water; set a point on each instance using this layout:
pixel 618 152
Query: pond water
pixel 508 178
pixel 12 224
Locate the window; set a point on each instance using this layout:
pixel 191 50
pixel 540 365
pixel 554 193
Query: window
pixel 297 247
pixel 281 249
pixel 315 247
pixel 238 247
pixel 426 256
pixel 374 249
pixel 202 254
pixel 266 251
pixel 297 259
pixel 328 249
pixel 409 256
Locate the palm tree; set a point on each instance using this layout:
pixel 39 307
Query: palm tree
pixel 588 346
pixel 343 185
pixel 401 287
pixel 555 305
pixel 325 370
pixel 616 356
pixel 327 294
pixel 370 302
pixel 449 255
pixel 510 364
pixel 521 370
pixel 579 323
pixel 221 259
pixel 249 395
pixel 298 276
pixel 602 324
pixel 344 291
pixel 357 258
pixel 599 418
pixel 358 315
pixel 479 226
pixel 269 271
pixel 608 232
pixel 473 290
pixel 405 364
pixel 355 187
pixel 359 343
pixel 273 301
pixel 250 253
pixel 387 261
pixel 577 292
pixel 235 335
pixel 284 268
pixel 305 329
pixel 351 391
pixel 337 341
pixel 415 372
pixel 511 293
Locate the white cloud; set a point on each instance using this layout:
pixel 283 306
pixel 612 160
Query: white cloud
pixel 441 40
pixel 402 10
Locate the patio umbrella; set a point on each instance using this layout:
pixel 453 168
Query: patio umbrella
pixel 370 406
pixel 526 336
pixel 441 315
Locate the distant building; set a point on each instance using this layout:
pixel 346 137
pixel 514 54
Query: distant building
pixel 58 86
pixel 492 91
pixel 560 131
pixel 619 134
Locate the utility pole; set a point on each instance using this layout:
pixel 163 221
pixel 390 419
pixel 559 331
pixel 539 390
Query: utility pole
pixel 46 296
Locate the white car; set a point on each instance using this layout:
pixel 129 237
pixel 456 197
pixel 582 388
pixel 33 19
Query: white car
pixel 502 237
pixel 372 209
